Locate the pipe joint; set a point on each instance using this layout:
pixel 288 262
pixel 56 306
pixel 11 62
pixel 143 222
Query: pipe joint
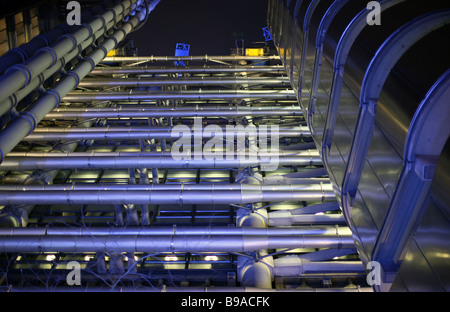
pixel 56 95
pixel 25 70
pixel 73 39
pixel 28 116
pixel 51 52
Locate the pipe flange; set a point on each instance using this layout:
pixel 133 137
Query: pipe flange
pixel 73 39
pixel 25 70
pixel 52 53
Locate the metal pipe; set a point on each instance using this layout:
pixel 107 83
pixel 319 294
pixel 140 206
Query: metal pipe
pixel 167 243
pixel 294 266
pixel 198 81
pixel 284 218
pixel 122 160
pixel 19 75
pixel 183 289
pixel 160 194
pixel 27 120
pixel 176 230
pixel 85 96
pixel 204 111
pixel 145 70
pixel 137 132
pixel 205 58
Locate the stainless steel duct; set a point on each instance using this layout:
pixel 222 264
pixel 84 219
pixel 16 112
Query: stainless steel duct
pixel 121 160
pixel 198 111
pixel 148 70
pixel 141 132
pixel 178 95
pixel 167 243
pixel 181 81
pixel 162 194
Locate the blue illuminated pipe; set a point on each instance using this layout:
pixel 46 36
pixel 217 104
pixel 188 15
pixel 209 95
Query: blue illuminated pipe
pixel 198 81
pixel 123 160
pixel 205 58
pixel 25 51
pixel 168 243
pixel 158 112
pixel 85 96
pixel 8 104
pixel 134 133
pixel 20 75
pixel 146 70
pixel 158 194
pixel 294 266
pixel 177 230
pixel 26 121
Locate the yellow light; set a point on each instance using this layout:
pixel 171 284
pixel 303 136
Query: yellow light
pixel 211 258
pixel 50 257
pixel 254 52
pixel 170 258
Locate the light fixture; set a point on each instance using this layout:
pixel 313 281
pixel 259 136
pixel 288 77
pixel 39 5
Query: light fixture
pixel 50 257
pixel 170 258
pixel 211 258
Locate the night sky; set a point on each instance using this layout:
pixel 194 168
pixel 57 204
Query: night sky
pixel 209 26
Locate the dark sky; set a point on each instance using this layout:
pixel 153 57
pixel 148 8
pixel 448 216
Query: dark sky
pixel 209 26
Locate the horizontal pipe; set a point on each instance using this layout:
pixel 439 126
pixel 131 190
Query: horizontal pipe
pixel 134 133
pixel 197 81
pixel 77 96
pixel 124 160
pixel 168 243
pixel 18 76
pixel 175 230
pixel 294 266
pixel 206 58
pixel 145 70
pixel 205 111
pixel 161 194
pixel 184 289
pixel 285 218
